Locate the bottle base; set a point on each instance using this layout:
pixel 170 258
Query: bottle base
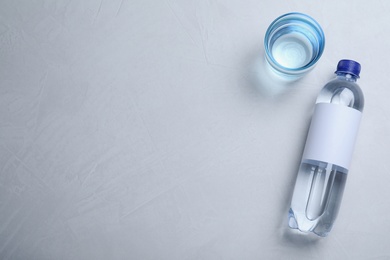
pixel 293 224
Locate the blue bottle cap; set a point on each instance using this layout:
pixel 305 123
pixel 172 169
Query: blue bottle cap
pixel 349 66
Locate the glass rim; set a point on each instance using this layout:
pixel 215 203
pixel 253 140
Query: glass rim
pixel 308 20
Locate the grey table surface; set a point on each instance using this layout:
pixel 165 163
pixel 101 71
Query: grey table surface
pixel 146 130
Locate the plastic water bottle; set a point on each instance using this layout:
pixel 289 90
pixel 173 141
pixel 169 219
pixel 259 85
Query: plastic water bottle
pixel 327 155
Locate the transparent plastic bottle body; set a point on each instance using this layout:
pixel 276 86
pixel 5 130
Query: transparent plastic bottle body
pixel 320 184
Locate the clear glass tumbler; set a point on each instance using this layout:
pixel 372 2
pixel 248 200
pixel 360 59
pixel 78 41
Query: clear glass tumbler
pixel 294 42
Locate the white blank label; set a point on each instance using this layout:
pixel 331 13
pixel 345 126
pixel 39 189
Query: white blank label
pixel 332 134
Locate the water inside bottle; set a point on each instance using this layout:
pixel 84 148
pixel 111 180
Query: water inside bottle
pixel 343 96
pixel 317 197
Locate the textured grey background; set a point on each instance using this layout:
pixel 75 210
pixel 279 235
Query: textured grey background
pixel 145 130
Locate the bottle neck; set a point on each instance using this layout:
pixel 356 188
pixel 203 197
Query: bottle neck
pixel 346 76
